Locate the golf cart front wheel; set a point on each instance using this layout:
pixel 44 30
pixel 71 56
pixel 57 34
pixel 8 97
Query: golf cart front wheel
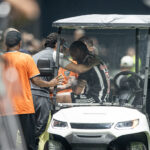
pixel 55 145
pixel 136 146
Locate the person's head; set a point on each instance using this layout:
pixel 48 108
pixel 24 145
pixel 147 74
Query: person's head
pixel 78 51
pixel 78 33
pixel 51 41
pixel 126 63
pixel 131 51
pixel 88 42
pixel 13 40
pixel 4 36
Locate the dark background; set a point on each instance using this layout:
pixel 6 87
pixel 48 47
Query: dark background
pixel 52 10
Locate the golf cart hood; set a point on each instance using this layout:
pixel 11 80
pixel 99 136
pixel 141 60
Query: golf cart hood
pixel 105 21
pixel 96 114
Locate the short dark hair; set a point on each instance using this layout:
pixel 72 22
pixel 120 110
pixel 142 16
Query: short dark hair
pixel 78 45
pixel 86 40
pixel 51 40
pixel 13 38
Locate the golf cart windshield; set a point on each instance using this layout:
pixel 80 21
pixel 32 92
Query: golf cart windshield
pixel 116 39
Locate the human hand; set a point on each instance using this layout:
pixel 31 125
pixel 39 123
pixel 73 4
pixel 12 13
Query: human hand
pixel 56 81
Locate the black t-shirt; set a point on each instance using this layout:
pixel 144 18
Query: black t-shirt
pixel 98 83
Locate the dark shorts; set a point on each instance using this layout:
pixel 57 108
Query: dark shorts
pixel 81 98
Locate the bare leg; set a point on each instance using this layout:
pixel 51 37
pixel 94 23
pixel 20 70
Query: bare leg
pixel 64 98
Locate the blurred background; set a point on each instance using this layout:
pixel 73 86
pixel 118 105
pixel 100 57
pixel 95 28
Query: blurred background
pixel 56 9
pixel 36 16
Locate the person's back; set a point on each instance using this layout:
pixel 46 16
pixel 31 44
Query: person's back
pixel 23 65
pixel 26 71
pixel 48 54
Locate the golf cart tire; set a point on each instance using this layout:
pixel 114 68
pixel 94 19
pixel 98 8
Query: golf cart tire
pixel 55 145
pixel 136 146
pixel 130 146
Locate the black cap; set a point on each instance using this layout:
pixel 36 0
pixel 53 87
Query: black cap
pixel 13 38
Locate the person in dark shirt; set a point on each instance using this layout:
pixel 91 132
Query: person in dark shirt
pixel 93 84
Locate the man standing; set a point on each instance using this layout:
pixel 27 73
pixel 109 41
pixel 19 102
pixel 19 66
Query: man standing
pixel 41 96
pixel 27 71
pixel 95 81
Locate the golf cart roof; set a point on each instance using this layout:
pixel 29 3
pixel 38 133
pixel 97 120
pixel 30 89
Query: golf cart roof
pixel 105 21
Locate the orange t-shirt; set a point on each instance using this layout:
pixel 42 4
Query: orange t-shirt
pixel 66 74
pixel 26 69
pixel 11 86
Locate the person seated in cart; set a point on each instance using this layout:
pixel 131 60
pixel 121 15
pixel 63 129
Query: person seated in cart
pixel 95 83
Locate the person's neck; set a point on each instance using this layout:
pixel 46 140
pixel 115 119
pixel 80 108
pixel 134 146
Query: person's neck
pixel 51 48
pixel 13 49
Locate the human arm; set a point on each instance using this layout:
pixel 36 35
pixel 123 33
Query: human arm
pixel 78 89
pixel 41 83
pixel 77 68
pixel 33 75
pixel 62 87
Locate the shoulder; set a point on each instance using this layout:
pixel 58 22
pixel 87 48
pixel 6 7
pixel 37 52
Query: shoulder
pixel 16 54
pixel 45 52
pixel 24 57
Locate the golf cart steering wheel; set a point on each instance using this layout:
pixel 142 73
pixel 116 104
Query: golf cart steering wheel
pixel 137 79
pixel 130 91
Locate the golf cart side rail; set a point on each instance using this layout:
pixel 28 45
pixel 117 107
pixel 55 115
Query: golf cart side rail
pixel 105 21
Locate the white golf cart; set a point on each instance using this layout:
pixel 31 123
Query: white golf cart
pixel 121 123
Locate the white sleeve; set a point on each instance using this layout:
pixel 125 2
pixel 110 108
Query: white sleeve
pixel 63 62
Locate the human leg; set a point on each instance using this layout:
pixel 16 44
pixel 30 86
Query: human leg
pixel 27 122
pixel 42 109
pixel 64 97
pixel 44 137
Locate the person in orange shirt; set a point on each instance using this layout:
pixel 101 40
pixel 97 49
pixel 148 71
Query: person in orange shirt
pixel 66 88
pixel 27 71
pixel 9 86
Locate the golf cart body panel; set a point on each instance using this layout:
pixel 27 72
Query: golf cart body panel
pixel 97 125
pixel 104 126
